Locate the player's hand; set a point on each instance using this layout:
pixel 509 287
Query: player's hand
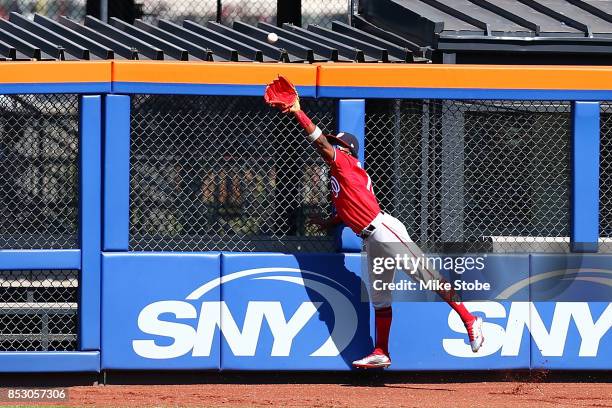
pixel 295 107
pixel 281 94
pixel 323 224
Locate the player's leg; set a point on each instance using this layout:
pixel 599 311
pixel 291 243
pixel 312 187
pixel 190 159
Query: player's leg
pixel 381 301
pixel 396 230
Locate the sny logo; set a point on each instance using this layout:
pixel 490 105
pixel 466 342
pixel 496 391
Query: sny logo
pixel 198 340
pixel 525 315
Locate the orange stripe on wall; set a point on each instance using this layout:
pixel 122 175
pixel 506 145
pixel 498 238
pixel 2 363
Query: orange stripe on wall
pixel 466 76
pixel 349 75
pixel 232 73
pixel 55 71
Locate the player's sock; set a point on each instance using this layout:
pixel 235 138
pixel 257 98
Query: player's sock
pixel 452 298
pixel 382 320
pixel 459 307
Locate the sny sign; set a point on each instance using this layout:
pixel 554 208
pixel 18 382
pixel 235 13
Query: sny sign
pixel 525 315
pixel 210 314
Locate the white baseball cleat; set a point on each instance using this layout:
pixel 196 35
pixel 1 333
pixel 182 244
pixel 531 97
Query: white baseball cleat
pixel 474 330
pixel 375 360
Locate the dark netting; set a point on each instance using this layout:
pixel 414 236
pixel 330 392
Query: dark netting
pixel 38 171
pixel 38 310
pixel 225 173
pixel 605 182
pixel 473 175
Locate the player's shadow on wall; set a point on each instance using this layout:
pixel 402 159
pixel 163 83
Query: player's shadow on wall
pixel 342 273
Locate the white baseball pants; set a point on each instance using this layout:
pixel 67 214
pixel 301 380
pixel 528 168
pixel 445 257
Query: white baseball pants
pixel 389 240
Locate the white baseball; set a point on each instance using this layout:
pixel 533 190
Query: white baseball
pixel 272 38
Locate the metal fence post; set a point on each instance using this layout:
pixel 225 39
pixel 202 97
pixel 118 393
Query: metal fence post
pixel 351 119
pixel 452 200
pixel 104 10
pixel 90 136
pixel 289 11
pixel 584 234
pixel 219 11
pixel 116 172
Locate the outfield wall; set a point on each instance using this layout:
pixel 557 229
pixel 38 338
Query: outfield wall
pixel 263 311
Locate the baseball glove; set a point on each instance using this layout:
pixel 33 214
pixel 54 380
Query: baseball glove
pixel 281 94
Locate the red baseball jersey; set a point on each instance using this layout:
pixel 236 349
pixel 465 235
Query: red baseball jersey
pixel 352 192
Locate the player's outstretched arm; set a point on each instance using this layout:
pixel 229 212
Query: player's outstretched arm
pixel 314 134
pixel 281 94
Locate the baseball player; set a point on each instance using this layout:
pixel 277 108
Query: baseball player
pixel 356 206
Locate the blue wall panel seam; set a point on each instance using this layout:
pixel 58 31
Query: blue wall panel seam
pixel 116 177
pixel 351 119
pixel 584 208
pixel 90 127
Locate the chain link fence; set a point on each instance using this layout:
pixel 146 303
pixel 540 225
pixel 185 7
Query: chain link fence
pixel 253 11
pixel 38 171
pixel 605 182
pixel 50 8
pixel 38 205
pixel 225 173
pixel 473 175
pixel 179 10
pixel 324 12
pixel 201 11
pixel 38 310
